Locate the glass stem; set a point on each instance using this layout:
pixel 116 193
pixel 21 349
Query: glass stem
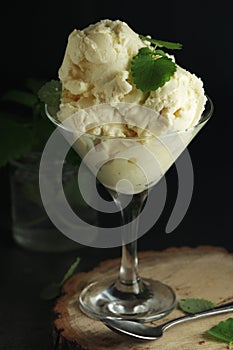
pixel 128 279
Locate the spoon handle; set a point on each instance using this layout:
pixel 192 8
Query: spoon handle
pixel 210 312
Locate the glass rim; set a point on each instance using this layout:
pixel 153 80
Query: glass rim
pixel 206 115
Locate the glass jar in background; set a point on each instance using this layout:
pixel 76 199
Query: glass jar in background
pixel 31 226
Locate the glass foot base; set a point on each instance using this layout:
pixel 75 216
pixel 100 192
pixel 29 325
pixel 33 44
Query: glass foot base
pixel 150 301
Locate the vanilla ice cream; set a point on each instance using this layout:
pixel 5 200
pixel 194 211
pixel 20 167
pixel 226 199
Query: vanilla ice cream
pixel 99 93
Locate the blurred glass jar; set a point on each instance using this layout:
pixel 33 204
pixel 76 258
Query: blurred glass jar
pixel 31 226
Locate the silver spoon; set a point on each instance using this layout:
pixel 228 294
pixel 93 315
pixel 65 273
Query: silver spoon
pixel 141 331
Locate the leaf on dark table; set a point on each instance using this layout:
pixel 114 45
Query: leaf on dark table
pixel 223 331
pixel 194 305
pixel 53 290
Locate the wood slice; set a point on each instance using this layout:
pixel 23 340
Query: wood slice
pixel 202 272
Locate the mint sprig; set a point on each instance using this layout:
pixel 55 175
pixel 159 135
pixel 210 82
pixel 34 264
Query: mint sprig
pixel 151 68
pixel 149 73
pixel 194 305
pixel 50 93
pixel 161 43
pixel 53 290
pixel 24 127
pixel 223 331
pixel 21 123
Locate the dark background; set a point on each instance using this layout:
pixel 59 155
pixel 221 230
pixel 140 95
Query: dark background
pixel 33 41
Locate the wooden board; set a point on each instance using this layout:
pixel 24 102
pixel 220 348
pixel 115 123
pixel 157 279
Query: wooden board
pixel 202 272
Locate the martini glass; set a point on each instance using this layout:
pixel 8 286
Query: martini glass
pixel 129 168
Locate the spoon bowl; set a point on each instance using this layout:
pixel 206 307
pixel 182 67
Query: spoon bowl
pixel 145 332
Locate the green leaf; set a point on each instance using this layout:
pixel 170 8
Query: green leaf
pixel 148 73
pixel 160 53
pixel 146 51
pixel 161 43
pixel 25 129
pixel 70 272
pixel 53 290
pixel 50 93
pixel 224 331
pixel 16 141
pixel 17 96
pixel 192 305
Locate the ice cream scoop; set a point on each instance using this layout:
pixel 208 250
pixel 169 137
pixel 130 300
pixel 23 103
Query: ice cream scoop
pixel 97 69
pixel 100 99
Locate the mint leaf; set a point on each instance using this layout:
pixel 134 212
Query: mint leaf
pixel 148 73
pixel 145 51
pixel 25 129
pixel 160 53
pixel 50 93
pixel 224 331
pixel 53 290
pixel 161 43
pixel 70 272
pixel 16 140
pixel 192 305
pixel 24 98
